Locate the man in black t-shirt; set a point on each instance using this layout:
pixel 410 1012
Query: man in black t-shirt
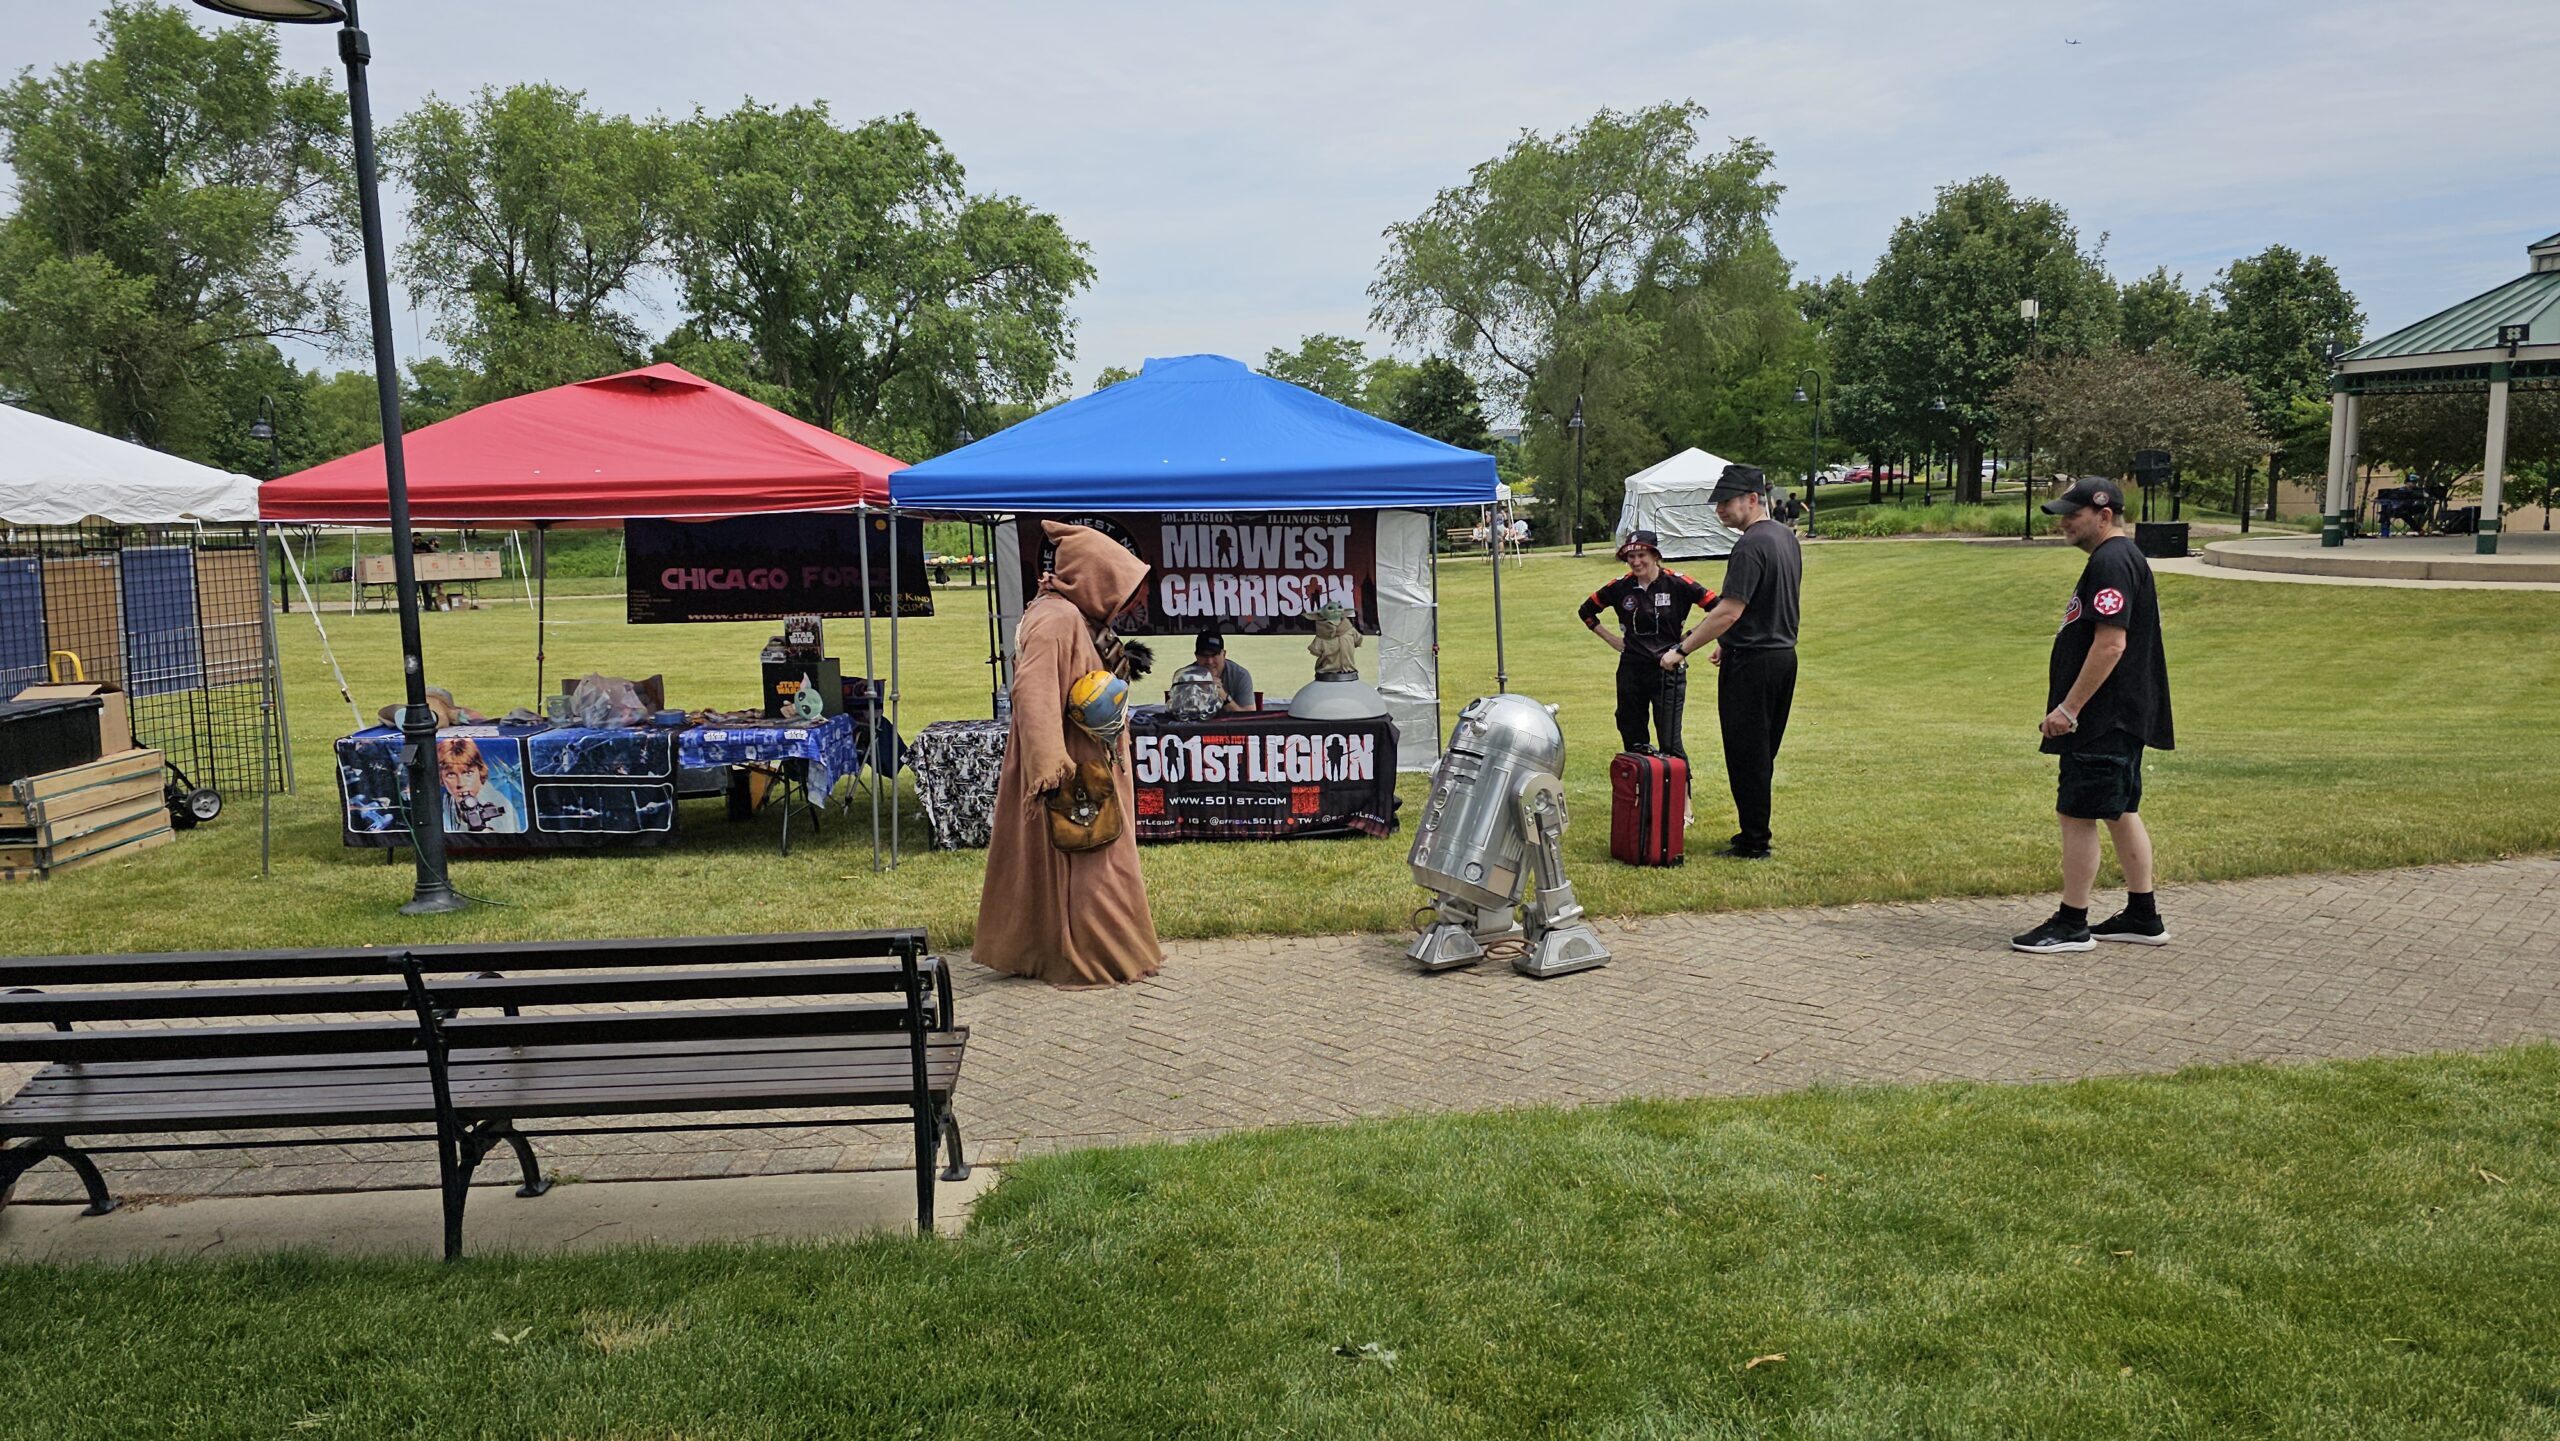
pixel 1653 607
pixel 2106 700
pixel 1756 619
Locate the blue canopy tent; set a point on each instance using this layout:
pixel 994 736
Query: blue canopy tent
pixel 1205 433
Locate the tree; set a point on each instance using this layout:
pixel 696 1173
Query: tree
pixel 1332 366
pixel 530 219
pixel 162 190
pixel 2158 312
pixel 864 279
pixel 2276 313
pixel 1560 269
pixel 1938 318
pixel 1440 401
pixel 1382 384
pixel 1111 375
pixel 2092 412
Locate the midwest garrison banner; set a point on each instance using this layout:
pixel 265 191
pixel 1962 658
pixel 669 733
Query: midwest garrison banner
pixel 1242 574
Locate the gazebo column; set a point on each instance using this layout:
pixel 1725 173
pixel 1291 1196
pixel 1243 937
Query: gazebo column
pixel 2493 471
pixel 2333 506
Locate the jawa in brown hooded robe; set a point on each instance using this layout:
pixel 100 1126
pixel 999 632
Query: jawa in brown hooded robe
pixel 1070 919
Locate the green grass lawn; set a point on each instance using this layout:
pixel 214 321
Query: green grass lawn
pixel 2321 727
pixel 2339 1251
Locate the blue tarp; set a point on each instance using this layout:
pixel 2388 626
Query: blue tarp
pixel 163 648
pixel 1198 432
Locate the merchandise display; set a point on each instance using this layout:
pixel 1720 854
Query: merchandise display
pixel 605 763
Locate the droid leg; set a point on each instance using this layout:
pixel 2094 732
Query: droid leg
pixel 1560 940
pixel 1457 935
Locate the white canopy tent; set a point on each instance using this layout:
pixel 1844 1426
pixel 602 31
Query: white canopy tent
pixel 54 473
pixel 1669 498
pixel 120 565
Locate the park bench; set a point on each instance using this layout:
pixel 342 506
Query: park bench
pixel 474 1046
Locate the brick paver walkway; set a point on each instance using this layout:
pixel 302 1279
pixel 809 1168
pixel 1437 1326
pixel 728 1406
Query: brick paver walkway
pixel 1260 1032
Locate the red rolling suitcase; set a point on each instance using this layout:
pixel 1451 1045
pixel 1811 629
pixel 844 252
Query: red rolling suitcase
pixel 1648 803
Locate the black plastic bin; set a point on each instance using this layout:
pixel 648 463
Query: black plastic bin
pixel 37 736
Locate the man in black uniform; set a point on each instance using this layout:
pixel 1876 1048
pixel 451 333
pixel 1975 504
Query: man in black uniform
pixel 2106 698
pixel 1756 618
pixel 1653 607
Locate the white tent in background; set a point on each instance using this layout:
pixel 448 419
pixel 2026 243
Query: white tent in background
pixel 1669 498
pixel 53 473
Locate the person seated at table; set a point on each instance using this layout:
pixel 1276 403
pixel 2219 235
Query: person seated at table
pixel 1211 653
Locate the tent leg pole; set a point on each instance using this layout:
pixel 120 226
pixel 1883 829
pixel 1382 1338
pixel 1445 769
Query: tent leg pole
pixel 541 615
pixel 275 657
pixel 870 694
pixel 887 774
pixel 1437 734
pixel 1501 675
pixel 995 638
pixel 267 742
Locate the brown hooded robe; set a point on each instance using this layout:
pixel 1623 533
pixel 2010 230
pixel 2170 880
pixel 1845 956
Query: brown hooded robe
pixel 1070 920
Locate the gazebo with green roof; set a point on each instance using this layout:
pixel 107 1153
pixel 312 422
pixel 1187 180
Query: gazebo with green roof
pixel 2489 342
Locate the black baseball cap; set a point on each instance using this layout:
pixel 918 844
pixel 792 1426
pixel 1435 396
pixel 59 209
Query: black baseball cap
pixel 1210 643
pixel 1640 538
pixel 1737 482
pixel 2087 493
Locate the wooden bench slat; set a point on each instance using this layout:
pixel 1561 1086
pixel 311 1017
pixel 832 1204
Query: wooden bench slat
pixel 361 996
pixel 741 1096
pixel 179 1042
pixel 296 1070
pixel 151 967
pixel 411 1101
pixel 494 1032
pixel 56 1084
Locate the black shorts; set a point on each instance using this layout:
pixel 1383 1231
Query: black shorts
pixel 2102 781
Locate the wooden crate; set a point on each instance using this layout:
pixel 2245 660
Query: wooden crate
pixel 34 801
pixel 71 837
pixel 12 870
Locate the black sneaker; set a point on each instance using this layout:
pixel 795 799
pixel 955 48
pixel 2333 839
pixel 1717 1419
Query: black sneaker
pixel 1739 853
pixel 2056 934
pixel 2134 930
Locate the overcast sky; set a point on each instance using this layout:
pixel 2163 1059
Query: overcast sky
pixel 1232 166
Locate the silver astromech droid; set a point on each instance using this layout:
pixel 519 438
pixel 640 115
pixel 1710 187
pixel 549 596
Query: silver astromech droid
pixel 1495 821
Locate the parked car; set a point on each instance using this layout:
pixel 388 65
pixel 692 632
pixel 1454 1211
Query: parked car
pixel 1866 475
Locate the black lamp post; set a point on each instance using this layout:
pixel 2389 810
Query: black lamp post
pixel 1937 407
pixel 417 724
pixel 1573 423
pixel 1810 475
pixel 264 428
pixel 2029 311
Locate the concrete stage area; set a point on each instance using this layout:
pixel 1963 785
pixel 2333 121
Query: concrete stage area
pixel 2524 557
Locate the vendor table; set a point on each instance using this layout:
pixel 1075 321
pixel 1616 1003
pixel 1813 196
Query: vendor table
pixel 1258 776
pixel 541 786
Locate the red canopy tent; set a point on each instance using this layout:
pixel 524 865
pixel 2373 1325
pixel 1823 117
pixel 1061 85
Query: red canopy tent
pixel 660 443
pixel 654 444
